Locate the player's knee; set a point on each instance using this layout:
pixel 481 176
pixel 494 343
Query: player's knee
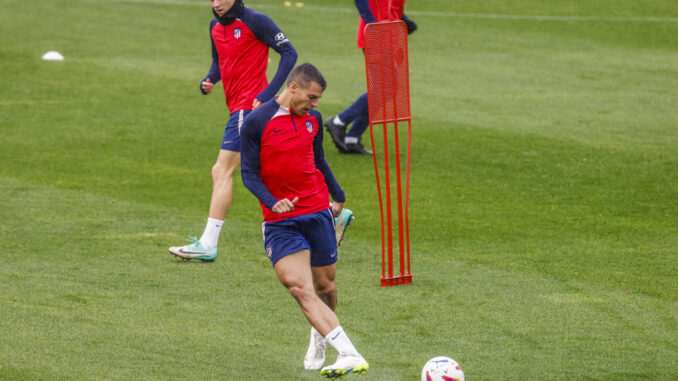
pixel 217 171
pixel 223 170
pixel 326 289
pixel 301 294
pixel 220 172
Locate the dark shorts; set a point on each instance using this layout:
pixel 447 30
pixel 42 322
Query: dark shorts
pixel 314 232
pixel 231 141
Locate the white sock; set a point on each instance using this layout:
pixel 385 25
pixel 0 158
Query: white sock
pixel 317 336
pixel 210 236
pixel 351 140
pixel 340 341
pixel 338 121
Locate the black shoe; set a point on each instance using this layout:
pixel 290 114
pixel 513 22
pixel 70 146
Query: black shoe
pixel 358 148
pixel 337 133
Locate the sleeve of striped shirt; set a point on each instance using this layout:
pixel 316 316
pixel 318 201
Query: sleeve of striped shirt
pixel 214 75
pixel 250 148
pixel 268 32
pixel 332 185
pixel 365 11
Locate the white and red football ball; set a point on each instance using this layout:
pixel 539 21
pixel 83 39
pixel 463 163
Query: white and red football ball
pixel 442 368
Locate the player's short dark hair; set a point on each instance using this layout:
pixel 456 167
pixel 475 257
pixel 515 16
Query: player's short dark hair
pixel 306 73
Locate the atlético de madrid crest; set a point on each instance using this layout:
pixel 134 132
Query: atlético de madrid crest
pixel 309 126
pixel 236 33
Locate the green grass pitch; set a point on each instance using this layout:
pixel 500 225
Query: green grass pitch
pixel 544 196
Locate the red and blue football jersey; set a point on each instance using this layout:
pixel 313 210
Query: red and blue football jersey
pixel 372 11
pixel 282 157
pixel 240 58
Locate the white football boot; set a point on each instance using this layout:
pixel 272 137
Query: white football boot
pixel 346 364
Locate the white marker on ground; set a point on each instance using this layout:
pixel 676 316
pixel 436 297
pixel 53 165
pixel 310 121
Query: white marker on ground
pixel 52 56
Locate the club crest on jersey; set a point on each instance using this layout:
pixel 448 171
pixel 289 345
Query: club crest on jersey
pixel 237 33
pixel 309 126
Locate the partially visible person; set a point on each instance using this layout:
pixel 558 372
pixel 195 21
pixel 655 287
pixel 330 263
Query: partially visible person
pixel 283 165
pixel 241 38
pixel 371 11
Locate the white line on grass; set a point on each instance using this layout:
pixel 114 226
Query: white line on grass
pixel 493 16
pixel 548 17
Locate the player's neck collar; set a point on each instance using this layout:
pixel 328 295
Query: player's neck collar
pixel 283 102
pixel 232 14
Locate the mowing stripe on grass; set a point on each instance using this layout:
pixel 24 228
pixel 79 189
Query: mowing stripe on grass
pixel 313 8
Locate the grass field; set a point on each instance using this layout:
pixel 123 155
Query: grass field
pixel 544 196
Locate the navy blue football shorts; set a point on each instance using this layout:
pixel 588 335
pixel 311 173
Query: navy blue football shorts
pixel 314 232
pixel 231 141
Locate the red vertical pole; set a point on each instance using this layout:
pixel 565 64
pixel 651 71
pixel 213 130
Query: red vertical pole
pixel 381 206
pixel 407 195
pixel 389 217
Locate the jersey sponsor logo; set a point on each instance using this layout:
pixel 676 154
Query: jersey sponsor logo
pixel 237 32
pixel 309 126
pixel 280 39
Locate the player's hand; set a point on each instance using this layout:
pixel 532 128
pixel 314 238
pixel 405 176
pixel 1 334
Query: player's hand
pixel 336 208
pixel 207 86
pixel 284 205
pixel 411 26
pixel 256 104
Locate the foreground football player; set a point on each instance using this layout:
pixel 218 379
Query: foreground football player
pixel 241 38
pixel 283 165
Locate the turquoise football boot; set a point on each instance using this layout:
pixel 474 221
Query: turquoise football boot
pixel 341 223
pixel 194 251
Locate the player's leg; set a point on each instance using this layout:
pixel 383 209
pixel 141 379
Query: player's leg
pixel 324 273
pixel 222 183
pixel 355 110
pixel 227 163
pixel 319 233
pixel 315 354
pixel 325 284
pixel 337 124
pixel 289 250
pixel 353 137
pixel 349 360
pixel 223 170
pixel 337 130
pixel 326 289
pixel 294 272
